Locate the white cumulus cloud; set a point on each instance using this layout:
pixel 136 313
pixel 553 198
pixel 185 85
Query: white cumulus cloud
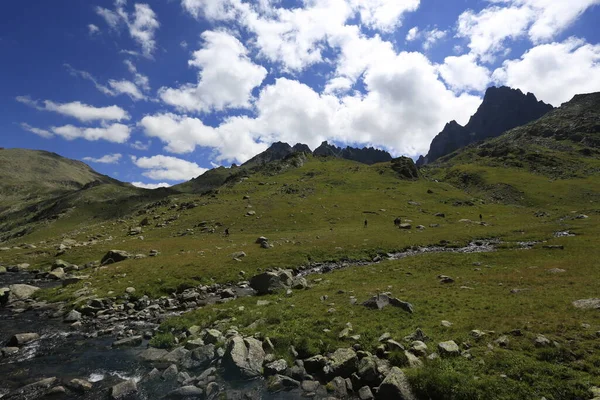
pixel 106 159
pixel 78 110
pixel 226 79
pixel 151 185
pixel 116 133
pixel 464 73
pixel 168 168
pixel 554 72
pixel 40 132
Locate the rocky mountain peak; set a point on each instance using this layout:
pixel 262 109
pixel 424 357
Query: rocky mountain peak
pixel 502 109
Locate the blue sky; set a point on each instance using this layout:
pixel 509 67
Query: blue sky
pixel 156 92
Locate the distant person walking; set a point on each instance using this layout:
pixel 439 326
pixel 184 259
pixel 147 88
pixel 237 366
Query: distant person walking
pixel 227 232
pixel 366 223
pixel 480 218
pixel 398 221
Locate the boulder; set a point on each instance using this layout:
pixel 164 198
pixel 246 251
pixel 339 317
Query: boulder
pixel 244 357
pixel 186 392
pixel 405 226
pixel 57 273
pixel 152 354
pixel 115 256
pixel 364 393
pixel 21 339
pixel 276 367
pixel 448 349
pixel 343 362
pixel 278 383
pixel 123 390
pixel 270 282
pixel 203 355
pixel 128 342
pixel 395 386
pixel 367 371
pixel 299 283
pixel 21 291
pixel 4 295
pixel 72 316
pixel 587 304
pixel 79 385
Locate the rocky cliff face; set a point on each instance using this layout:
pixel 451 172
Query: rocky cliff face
pixel 502 109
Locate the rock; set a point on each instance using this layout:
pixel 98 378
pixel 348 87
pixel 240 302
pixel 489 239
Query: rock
pixel 413 360
pixel 130 290
pixel 251 213
pixel 448 349
pixel 204 355
pixel 395 386
pixel 270 282
pixel 178 355
pixel 33 389
pixel 277 383
pixel 405 226
pixel 212 336
pixel 193 344
pixel 21 339
pixel 261 240
pixel 9 351
pixel 299 283
pixel 4 295
pixel 152 354
pixel 446 324
pixel 276 367
pixel 186 392
pixel 377 302
pixel 2 270
pixel 57 273
pixel 384 337
pixel 343 362
pixel 72 316
pixel 587 304
pixel 338 386
pixel 135 231
pixel 115 256
pixel 367 371
pixel 227 294
pixel 556 271
pixel 123 390
pixel 418 348
pixel 542 341
pixel 315 364
pixel 502 341
pixel 56 391
pixel 310 386
pixel 79 385
pixel 364 393
pixel 402 304
pixel 21 291
pixel 445 279
pixel 244 357
pixel 128 342
pixel 237 255
pixel 170 373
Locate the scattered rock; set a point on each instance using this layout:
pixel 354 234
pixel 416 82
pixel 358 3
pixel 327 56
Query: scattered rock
pixel 270 282
pixel 128 342
pixel 115 256
pixel 21 339
pixel 445 279
pixel 72 316
pixel 277 383
pixel 395 386
pixel 343 362
pixel 186 392
pixel 79 385
pixel 405 226
pixel 364 393
pixel 446 324
pixel 123 390
pixel 21 291
pixel 244 357
pixel 587 304
pixel 276 367
pixel 542 341
pixel 448 349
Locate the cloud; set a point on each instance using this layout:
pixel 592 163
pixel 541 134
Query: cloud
pixel 161 167
pixel 433 36
pixel 339 84
pixel 107 159
pixel 135 90
pixel 413 34
pixel 151 185
pixel 226 79
pixel 40 132
pixel 554 72
pixel 384 15
pixel 78 110
pixel 116 133
pixel 93 29
pixel 539 20
pixel 463 73
pixel 142 25
pixel 139 145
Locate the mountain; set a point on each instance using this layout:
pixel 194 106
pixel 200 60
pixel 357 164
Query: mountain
pixel 502 109
pixel 277 151
pixel 38 187
pixel 367 155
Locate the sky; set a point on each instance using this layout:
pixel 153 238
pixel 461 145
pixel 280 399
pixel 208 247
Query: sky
pixel 156 92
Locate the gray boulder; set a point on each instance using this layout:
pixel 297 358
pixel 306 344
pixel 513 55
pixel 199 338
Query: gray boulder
pixel 448 349
pixel 123 390
pixel 72 316
pixel 21 291
pixel 128 342
pixel 270 282
pixel 21 339
pixel 587 304
pixel 343 362
pixel 244 357
pixel 115 256
pixel 395 386
pixel 186 392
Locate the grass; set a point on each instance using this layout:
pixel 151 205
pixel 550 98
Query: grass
pixel 315 213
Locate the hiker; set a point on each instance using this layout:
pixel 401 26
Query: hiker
pixel 397 221
pixel 227 232
pixel 366 223
pixel 480 218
